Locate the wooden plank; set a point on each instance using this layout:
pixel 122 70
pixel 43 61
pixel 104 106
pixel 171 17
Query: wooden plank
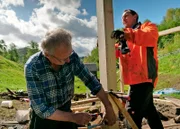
pixel 10 122
pixel 84 101
pixel 123 111
pixel 169 31
pixel 74 109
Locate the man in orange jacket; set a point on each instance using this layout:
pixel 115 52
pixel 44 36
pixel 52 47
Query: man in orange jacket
pixel 139 67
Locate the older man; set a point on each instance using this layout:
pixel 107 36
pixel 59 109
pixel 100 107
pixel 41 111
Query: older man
pixel 50 84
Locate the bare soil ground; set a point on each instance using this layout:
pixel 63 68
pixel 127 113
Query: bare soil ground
pixel 167 109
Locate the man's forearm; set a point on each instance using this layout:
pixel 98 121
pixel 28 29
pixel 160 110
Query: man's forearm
pixel 104 98
pixel 110 115
pixel 59 115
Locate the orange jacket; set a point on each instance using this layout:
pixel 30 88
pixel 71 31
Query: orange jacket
pixel 141 64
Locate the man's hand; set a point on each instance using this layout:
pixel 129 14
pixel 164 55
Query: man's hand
pixel 117 34
pixel 110 117
pixel 82 118
pixel 120 37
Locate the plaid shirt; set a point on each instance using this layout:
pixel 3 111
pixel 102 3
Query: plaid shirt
pixel 49 89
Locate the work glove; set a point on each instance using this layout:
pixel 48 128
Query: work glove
pixel 119 36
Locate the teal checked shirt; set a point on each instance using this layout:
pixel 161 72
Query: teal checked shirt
pixel 49 89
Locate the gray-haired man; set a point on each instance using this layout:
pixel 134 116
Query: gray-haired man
pixel 50 84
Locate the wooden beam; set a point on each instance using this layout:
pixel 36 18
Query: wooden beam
pixel 169 31
pixel 79 109
pixel 106 47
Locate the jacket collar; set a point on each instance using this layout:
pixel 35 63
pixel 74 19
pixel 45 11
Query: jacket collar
pixel 136 26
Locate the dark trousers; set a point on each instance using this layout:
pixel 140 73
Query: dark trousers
pixel 38 123
pixel 141 105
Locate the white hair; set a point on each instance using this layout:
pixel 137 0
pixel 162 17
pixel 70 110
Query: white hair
pixel 55 38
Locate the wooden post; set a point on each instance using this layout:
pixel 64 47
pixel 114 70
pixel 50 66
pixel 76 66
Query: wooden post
pixel 121 77
pixel 106 44
pixel 106 47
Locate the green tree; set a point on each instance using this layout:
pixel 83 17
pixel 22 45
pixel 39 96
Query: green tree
pixel 93 57
pixel 170 20
pixel 31 49
pixel 12 53
pixel 147 20
pixel 3 47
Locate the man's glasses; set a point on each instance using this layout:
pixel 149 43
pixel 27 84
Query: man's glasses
pixel 62 60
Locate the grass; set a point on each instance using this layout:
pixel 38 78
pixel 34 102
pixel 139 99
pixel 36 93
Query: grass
pixel 169 69
pixel 11 75
pixel 175 95
pixel 79 86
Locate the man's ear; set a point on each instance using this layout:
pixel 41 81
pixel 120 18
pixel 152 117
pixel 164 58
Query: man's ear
pixel 46 54
pixel 135 16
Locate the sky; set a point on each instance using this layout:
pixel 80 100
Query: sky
pixel 22 21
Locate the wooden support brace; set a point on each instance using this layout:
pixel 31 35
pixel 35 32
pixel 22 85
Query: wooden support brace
pixel 123 111
pixel 116 110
